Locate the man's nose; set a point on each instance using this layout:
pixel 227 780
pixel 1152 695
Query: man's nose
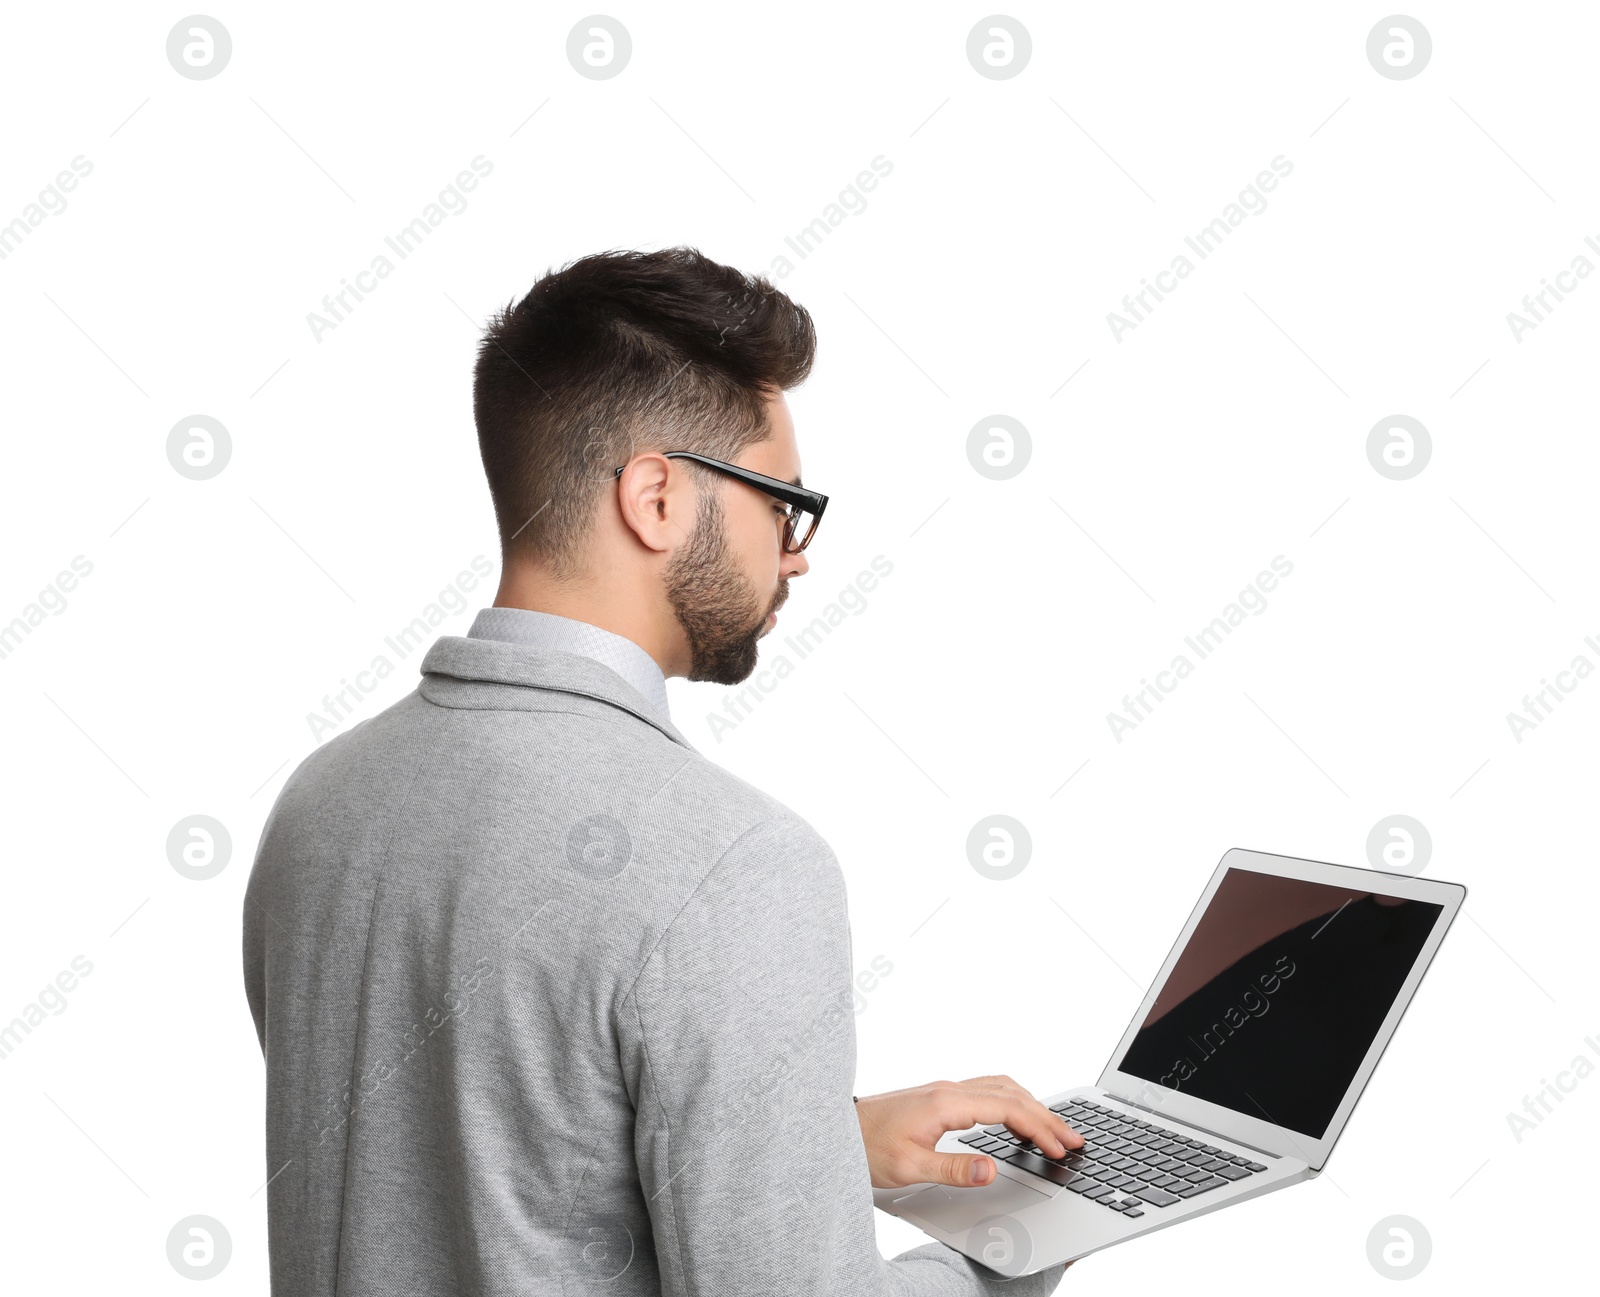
pixel 795 565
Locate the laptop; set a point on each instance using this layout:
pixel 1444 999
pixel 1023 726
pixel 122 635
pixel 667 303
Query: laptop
pixel 1235 1077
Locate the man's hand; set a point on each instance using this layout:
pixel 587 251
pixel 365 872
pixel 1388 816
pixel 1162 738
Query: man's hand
pixel 900 1129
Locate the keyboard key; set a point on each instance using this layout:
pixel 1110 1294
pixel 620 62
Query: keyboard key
pixel 994 1130
pixel 1157 1197
pixel 1041 1168
pixel 1234 1173
pixel 1132 1211
pixel 1215 1182
pixel 1082 1184
pixel 974 1137
pixel 1254 1166
pixel 1099 1192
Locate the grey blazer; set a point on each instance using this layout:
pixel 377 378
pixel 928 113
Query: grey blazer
pixel 551 1004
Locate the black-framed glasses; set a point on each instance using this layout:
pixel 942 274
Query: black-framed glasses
pixel 805 507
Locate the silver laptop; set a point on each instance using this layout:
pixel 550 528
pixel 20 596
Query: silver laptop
pixel 1234 1078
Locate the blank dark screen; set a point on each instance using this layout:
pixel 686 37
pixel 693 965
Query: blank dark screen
pixel 1278 995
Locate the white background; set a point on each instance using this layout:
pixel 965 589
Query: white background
pixel 1228 428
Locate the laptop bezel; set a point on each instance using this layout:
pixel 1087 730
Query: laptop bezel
pixel 1262 1133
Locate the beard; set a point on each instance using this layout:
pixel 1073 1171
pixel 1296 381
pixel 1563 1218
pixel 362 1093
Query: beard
pixel 718 607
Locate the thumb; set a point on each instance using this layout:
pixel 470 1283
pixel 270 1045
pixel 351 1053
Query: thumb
pixel 963 1170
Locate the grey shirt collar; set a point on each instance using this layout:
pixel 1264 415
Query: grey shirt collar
pixel 565 635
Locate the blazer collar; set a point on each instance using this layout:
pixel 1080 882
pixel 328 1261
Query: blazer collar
pixel 458 657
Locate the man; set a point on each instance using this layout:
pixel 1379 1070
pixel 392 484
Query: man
pixel 550 1003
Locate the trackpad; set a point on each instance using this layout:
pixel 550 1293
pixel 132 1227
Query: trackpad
pixel 956 1210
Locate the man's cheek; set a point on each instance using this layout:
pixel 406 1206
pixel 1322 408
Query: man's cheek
pixel 762 565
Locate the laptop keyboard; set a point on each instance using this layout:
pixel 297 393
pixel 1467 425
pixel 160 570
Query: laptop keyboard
pixel 1125 1164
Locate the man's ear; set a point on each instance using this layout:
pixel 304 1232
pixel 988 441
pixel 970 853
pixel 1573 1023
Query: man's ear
pixel 657 501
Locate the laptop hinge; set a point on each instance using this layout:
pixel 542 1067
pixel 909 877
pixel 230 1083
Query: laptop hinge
pixel 1205 1130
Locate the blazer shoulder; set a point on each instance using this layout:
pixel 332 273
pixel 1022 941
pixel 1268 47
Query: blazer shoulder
pixel 740 803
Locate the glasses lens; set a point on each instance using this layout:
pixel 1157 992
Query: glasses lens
pixel 797 529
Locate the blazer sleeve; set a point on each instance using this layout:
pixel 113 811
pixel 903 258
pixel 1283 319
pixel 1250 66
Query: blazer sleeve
pixel 738 1038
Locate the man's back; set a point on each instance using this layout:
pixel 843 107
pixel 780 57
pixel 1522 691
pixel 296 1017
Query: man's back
pixel 550 1003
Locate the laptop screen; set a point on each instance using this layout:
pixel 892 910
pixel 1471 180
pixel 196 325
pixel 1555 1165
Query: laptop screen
pixel 1277 996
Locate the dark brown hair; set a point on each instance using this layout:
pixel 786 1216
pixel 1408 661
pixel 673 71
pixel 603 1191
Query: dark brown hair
pixel 617 353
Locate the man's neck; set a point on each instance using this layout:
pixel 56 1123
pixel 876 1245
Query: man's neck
pixel 613 607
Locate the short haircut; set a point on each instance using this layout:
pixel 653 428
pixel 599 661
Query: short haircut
pixel 617 353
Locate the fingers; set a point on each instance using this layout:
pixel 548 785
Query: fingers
pixel 960 1170
pixel 1036 1122
pixel 1000 1099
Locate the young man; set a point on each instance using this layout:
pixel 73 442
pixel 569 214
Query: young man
pixel 549 1002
